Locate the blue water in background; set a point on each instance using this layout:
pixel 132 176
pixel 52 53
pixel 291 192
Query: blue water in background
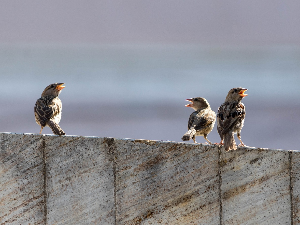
pixel 139 91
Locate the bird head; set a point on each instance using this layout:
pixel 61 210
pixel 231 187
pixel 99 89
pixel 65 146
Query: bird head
pixel 236 94
pixel 197 103
pixel 53 89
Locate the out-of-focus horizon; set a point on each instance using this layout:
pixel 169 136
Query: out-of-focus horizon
pixel 214 22
pixel 128 66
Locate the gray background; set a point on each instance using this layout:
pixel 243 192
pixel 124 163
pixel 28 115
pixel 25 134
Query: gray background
pixel 129 65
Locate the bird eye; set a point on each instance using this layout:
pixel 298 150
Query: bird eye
pixel 235 90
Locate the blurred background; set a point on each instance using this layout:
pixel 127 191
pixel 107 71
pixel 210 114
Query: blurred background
pixel 128 66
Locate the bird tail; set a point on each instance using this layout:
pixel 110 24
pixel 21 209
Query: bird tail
pixel 188 135
pixel 229 142
pixel 55 128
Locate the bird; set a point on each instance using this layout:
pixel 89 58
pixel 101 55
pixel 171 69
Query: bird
pixel 201 121
pixel 230 118
pixel 48 107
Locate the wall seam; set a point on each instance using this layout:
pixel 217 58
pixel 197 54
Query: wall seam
pixel 45 180
pixel 115 182
pixel 220 184
pixel 291 186
pixel 110 142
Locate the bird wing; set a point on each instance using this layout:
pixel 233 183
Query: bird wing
pixel 229 114
pixel 46 110
pixel 199 120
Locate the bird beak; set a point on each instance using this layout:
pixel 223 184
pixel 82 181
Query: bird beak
pixel 242 93
pixel 60 86
pixel 189 100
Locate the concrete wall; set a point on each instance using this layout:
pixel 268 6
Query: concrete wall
pixel 90 180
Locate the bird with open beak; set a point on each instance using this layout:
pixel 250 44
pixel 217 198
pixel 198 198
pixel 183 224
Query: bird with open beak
pixel 231 117
pixel 48 107
pixel 201 121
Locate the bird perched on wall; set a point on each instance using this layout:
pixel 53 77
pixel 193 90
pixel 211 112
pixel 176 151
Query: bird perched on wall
pixel 201 122
pixel 48 107
pixel 230 118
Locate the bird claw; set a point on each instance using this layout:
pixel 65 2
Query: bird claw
pixel 219 144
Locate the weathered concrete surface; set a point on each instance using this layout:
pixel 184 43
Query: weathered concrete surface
pixel 255 187
pixel 295 186
pixel 166 183
pixel 21 179
pixel 90 180
pixel 80 181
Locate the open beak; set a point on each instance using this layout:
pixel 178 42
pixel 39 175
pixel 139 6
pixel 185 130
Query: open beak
pixel 60 86
pixel 189 100
pixel 242 92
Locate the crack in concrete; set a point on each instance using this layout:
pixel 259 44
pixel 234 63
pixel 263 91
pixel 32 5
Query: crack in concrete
pixel 220 184
pixel 291 187
pixel 45 179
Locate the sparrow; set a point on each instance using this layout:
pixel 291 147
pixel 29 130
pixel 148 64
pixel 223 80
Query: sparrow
pixel 230 118
pixel 201 122
pixel 48 107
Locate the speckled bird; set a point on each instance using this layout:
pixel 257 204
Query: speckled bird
pixel 48 107
pixel 202 121
pixel 230 118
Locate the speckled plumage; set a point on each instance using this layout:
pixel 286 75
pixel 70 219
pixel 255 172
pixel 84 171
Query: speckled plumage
pixel 230 118
pixel 202 121
pixel 48 108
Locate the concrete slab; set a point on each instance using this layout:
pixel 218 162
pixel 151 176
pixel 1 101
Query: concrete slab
pixel 80 181
pixel 166 183
pixel 21 179
pixel 255 187
pixel 90 180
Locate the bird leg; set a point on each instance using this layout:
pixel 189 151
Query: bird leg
pixel 205 137
pixel 194 139
pixel 41 130
pixel 239 137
